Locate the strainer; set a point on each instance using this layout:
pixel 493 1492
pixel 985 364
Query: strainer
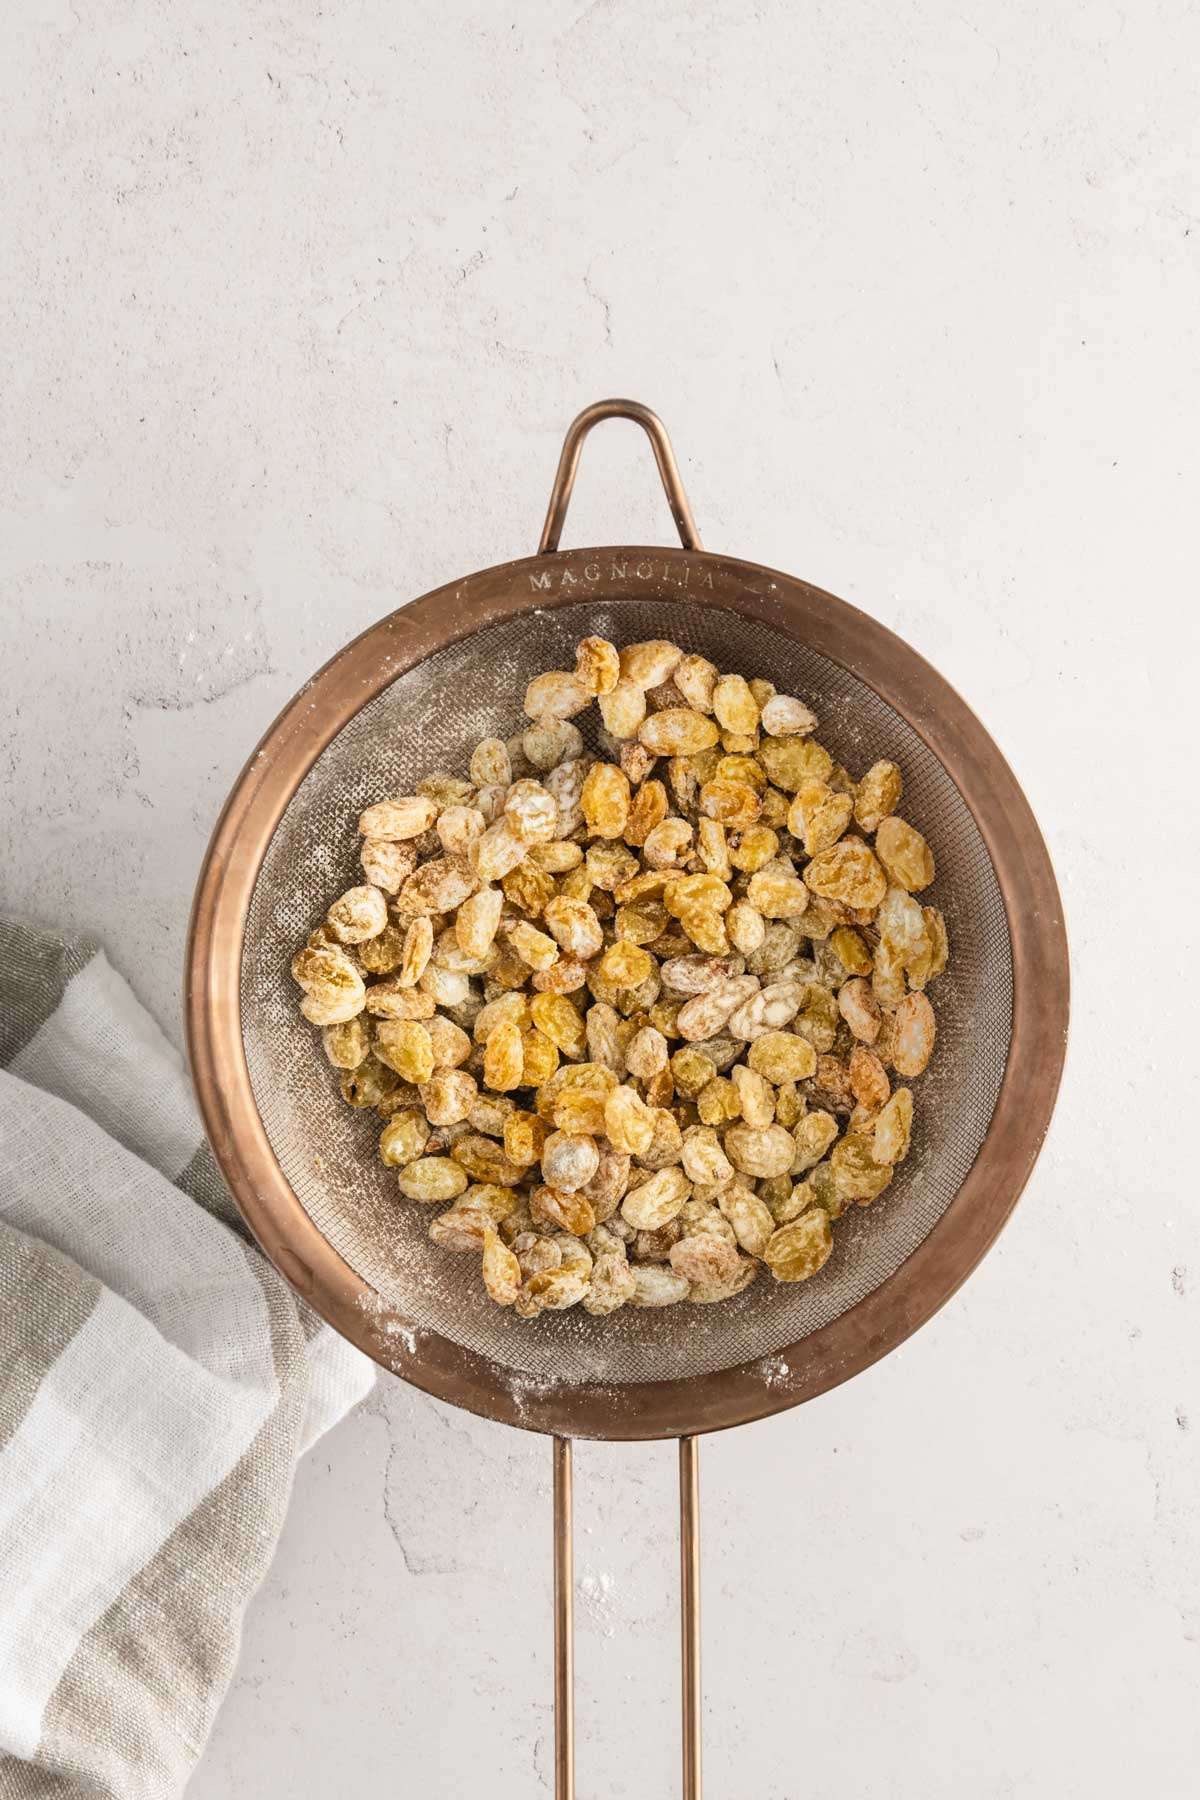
pixel 417 691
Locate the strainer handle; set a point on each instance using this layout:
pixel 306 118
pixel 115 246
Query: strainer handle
pixel 564 1624
pixel 568 467
pixel 564 1618
pixel 689 1610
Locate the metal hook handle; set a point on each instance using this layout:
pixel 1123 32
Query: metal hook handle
pixel 564 1621
pixel 664 456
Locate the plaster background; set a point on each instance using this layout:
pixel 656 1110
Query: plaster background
pixel 296 303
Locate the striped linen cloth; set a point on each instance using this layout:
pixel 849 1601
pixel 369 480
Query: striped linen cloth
pixel 158 1381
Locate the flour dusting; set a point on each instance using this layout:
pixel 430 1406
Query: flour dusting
pixel 595 1592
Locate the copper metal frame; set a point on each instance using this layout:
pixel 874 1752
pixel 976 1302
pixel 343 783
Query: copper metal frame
pixel 828 1356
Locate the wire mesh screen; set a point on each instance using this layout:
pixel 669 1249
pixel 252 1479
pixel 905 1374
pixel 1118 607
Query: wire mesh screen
pixel 431 718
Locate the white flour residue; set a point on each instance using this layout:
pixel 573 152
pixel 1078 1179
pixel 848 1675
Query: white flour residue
pixel 525 1388
pixel 389 1324
pixel 406 1336
pixel 595 1592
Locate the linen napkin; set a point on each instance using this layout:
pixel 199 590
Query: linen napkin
pixel 158 1381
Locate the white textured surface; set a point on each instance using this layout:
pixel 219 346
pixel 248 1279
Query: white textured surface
pixel 296 304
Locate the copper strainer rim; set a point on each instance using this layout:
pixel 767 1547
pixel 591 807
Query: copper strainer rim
pixel 971 1222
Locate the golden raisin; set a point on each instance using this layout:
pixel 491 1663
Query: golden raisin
pixel 597 664
pixel 555 695
pixel 904 854
pixel 504 1059
pixel 789 761
pixel 650 663
pixel 878 795
pixel 795 1252
pixel 913 1036
pixel 735 706
pixel 561 1022
pixel 403 1138
pixel 732 802
pixel 847 872
pixel 677 731
pixel 501 1270
pixel 649 808
pixel 432 1178
pixel 782 1056
pixel 818 816
pixel 405 1045
pixel 539 1057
